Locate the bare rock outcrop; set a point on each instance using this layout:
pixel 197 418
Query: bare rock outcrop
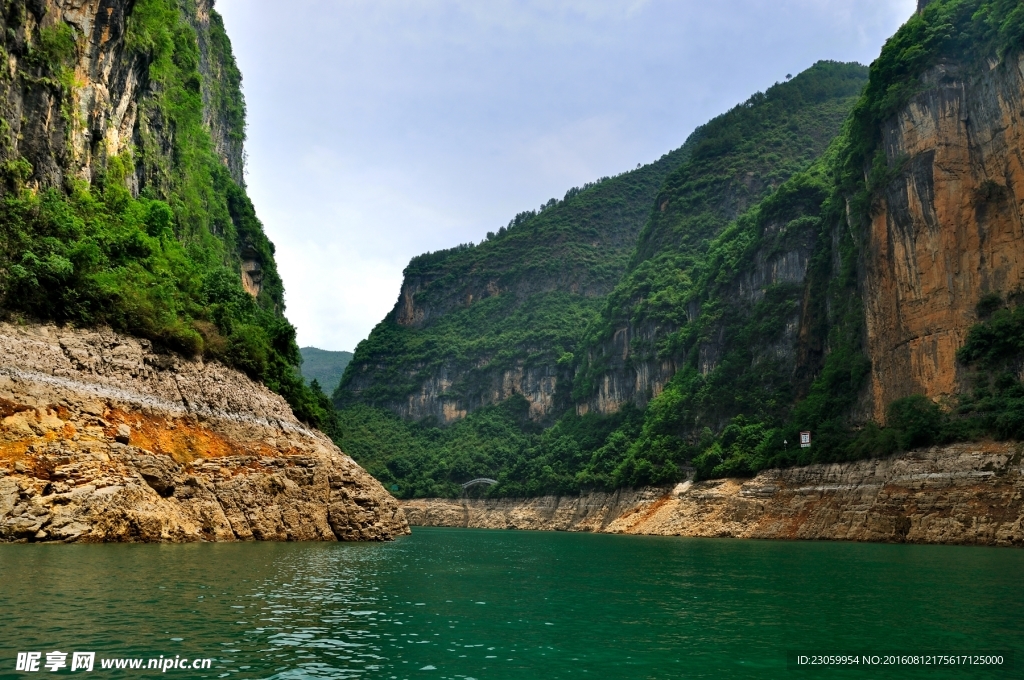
pixel 948 230
pixel 963 493
pixel 103 439
pixel 108 111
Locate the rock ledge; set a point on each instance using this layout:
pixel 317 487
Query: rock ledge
pixel 103 439
pixel 963 493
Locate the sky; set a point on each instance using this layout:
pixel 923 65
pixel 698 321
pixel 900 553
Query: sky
pixel 382 129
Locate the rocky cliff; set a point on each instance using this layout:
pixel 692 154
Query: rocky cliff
pixel 948 229
pixel 122 204
pixel 967 494
pixel 103 439
pixel 479 323
pixel 632 357
pixel 585 273
pixel 833 256
pixel 122 200
pixel 77 90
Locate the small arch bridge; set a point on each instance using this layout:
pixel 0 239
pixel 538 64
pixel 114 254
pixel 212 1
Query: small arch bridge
pixel 480 480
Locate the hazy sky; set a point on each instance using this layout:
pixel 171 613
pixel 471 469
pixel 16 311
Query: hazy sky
pixel 381 129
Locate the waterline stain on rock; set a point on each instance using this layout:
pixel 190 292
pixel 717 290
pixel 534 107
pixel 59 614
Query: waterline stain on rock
pixel 961 493
pixel 111 449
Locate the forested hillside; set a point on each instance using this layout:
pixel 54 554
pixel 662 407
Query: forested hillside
pixel 324 366
pixel 477 323
pixel 738 160
pixel 819 259
pixel 492 339
pixel 122 200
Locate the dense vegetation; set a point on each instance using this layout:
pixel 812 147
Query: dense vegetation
pixel 710 224
pixel 324 366
pixel 767 409
pixel 739 159
pixel 834 200
pixel 784 130
pixel 522 297
pixel 420 459
pixel 164 264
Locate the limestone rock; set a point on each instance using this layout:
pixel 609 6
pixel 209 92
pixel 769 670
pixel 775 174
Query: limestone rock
pixel 102 439
pixel 963 493
pixel 949 228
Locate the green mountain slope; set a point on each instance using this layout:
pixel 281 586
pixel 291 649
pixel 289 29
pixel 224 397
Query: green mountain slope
pixel 324 366
pixel 521 308
pixel 134 214
pixel 477 323
pixel 741 318
pixel 744 413
pixel 739 159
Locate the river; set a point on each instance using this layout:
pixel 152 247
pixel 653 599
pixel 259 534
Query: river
pixel 464 603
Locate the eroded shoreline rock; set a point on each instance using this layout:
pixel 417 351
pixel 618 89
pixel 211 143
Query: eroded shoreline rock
pixel 103 439
pixel 957 494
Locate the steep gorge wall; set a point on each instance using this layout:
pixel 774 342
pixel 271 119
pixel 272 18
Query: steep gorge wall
pixel 632 369
pixel 110 111
pixel 103 119
pixel 730 175
pixel 223 106
pixel 959 494
pixel 949 229
pixel 435 399
pixel 103 439
pixel 633 372
pixel 636 372
pixel 547 266
pixel 609 245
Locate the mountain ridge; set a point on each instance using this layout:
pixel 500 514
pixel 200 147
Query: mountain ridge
pixel 860 297
pixel 324 366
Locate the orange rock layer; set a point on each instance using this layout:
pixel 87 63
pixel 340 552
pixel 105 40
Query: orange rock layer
pixel 949 229
pixel 102 439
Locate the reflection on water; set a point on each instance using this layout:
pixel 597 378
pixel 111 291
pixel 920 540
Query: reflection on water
pixel 456 603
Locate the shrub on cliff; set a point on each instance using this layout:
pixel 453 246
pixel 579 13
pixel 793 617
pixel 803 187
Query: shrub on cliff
pixel 917 421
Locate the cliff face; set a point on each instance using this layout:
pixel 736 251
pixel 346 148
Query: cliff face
pixel 817 263
pixel 948 230
pixel 632 370
pixel 436 399
pixel 477 324
pixel 122 202
pixel 729 174
pixel 101 439
pixel 69 129
pixel 966 494
pixel 589 272
pixel 60 140
pixel 636 372
pixel 223 106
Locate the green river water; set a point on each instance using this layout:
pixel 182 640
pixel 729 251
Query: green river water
pixel 462 603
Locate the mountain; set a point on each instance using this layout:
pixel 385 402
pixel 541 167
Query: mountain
pixel 508 324
pixel 474 325
pixel 149 388
pixel 740 159
pixel 324 366
pixel 871 299
pixel 831 256
pixel 132 212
